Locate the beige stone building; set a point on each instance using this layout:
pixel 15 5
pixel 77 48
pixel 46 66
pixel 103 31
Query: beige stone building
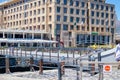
pixel 72 22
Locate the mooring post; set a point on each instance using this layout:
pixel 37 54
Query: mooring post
pixel 41 66
pixel 31 63
pixel 7 64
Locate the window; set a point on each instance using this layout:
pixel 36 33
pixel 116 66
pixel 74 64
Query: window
pixel 93 21
pixel 92 13
pixel 43 10
pixel 111 9
pixel 77 19
pixel 97 21
pixel 38 19
pixel 83 4
pixel 71 19
pixel 77 3
pixel 107 15
pixel 58 9
pixel 65 27
pixel 39 2
pixel 65 10
pixel 97 6
pixel 58 1
pixel 34 4
pixel 38 11
pixel 34 20
pixel 92 6
pixel 30 13
pixel 71 27
pixel 43 18
pixel 71 11
pixel 102 7
pixel 34 12
pixel 65 19
pixel 106 8
pixel 112 16
pixel 102 22
pixel 58 17
pixel 83 12
pixel 77 11
pixel 102 15
pixel 50 9
pixel 83 20
pixel 43 1
pixel 71 2
pixel 58 26
pixel 112 23
pixel 65 2
pixel 50 18
pixel 97 14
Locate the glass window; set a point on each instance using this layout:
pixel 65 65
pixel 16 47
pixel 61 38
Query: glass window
pixel 92 6
pixel 97 14
pixel 71 19
pixel 83 4
pixel 93 21
pixel 58 26
pixel 71 11
pixel 58 1
pixel 107 8
pixel 107 15
pixel 112 23
pixel 111 9
pixel 65 19
pixel 38 11
pixel 77 19
pixel 71 2
pixel 102 15
pixel 71 27
pixel 83 20
pixel 97 21
pixel 97 6
pixel 77 11
pixel 58 9
pixel 92 13
pixel 112 16
pixel 102 22
pixel 102 7
pixel 65 27
pixel 77 3
pixel 65 2
pixel 58 17
pixel 83 12
pixel 34 12
pixel 65 10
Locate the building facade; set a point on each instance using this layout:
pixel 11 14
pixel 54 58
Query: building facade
pixel 71 22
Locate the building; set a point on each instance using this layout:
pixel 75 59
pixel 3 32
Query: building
pixel 71 22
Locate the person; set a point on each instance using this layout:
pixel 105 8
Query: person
pixel 117 53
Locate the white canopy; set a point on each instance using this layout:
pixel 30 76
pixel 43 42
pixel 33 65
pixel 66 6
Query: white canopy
pixel 26 41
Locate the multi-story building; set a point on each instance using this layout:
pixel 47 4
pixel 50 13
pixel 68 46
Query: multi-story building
pixel 73 22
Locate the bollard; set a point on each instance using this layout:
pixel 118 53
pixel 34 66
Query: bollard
pixel 41 66
pixel 59 71
pixel 62 63
pixel 92 65
pixel 31 63
pixel 7 64
pixel 100 72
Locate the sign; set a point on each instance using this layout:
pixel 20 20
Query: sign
pixel 94 33
pixel 107 69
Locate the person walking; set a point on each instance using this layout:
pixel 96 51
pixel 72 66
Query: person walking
pixel 117 53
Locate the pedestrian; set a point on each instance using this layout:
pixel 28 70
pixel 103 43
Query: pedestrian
pixel 117 53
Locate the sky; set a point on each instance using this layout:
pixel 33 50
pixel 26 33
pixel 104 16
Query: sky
pixel 115 2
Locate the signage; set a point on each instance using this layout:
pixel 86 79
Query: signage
pixel 107 69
